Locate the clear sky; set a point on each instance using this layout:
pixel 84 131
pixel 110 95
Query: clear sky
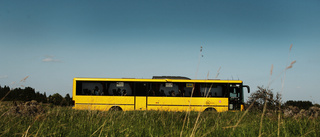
pixel 52 42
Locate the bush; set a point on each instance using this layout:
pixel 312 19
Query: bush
pixel 261 96
pixel 300 104
pixel 56 99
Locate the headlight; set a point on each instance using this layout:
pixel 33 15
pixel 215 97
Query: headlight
pixel 231 106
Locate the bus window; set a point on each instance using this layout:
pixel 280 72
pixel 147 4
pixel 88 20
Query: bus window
pixel 185 90
pixel 90 88
pixel 141 88
pixel 155 90
pixel 169 89
pixel 213 90
pixel 217 90
pixel 206 90
pixel 79 90
pixel 234 91
pixel 120 89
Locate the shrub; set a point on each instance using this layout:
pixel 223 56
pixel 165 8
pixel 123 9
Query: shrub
pixel 300 104
pixel 261 96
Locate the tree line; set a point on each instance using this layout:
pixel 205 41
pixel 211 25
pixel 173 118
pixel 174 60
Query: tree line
pixel 257 99
pixel 28 94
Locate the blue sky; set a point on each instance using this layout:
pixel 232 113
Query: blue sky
pixel 54 41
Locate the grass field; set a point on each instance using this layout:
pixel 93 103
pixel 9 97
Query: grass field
pixel 64 121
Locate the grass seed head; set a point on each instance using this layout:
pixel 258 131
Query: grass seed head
pixel 291 64
pixel 24 79
pixel 271 69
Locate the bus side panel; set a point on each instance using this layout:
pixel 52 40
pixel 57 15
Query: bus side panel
pixel 141 103
pixel 187 104
pixel 104 102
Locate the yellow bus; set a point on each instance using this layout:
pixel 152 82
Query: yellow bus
pixel 164 93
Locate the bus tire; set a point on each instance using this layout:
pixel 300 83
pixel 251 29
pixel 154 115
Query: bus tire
pixel 115 108
pixel 210 110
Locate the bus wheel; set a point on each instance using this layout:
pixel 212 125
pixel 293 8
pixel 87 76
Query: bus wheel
pixel 210 110
pixel 115 108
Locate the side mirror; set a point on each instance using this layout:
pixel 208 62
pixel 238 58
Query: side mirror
pixel 248 88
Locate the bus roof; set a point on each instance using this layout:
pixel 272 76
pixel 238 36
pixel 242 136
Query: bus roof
pixel 159 80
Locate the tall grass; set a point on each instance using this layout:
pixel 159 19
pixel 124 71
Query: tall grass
pixel 64 121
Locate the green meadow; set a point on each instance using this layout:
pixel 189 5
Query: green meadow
pixel 64 121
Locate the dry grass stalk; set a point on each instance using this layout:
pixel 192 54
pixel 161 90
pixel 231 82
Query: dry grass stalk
pixel 271 70
pixel 282 87
pixel 199 113
pixel 313 130
pixel 244 114
pixel 24 79
pixel 206 96
pixel 264 108
pixel 188 110
pixel 263 112
pixel 26 133
pixel 288 67
pixel 187 113
pixel 279 118
pixel 101 127
pixel 206 134
pixel 39 129
pixel 218 72
pixel 200 55
pixel 5 95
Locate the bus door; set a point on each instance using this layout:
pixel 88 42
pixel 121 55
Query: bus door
pixel 235 99
pixel 140 98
